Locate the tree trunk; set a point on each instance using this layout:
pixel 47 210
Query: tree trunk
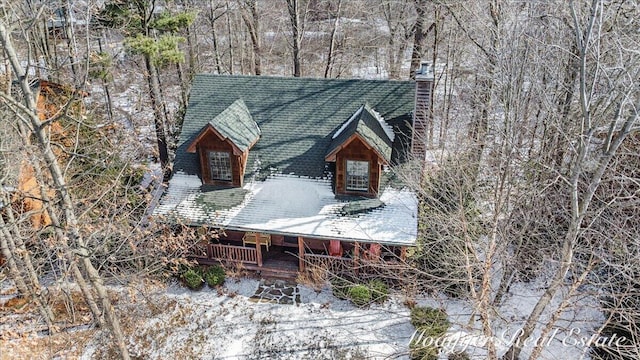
pixel 71 39
pixel 8 251
pixel 158 116
pixel 183 86
pixel 332 41
pixel 419 35
pixel 449 82
pixel 230 40
pixel 251 19
pixel 69 257
pixel 214 36
pixel 105 86
pixel 194 56
pixel 61 188
pixel 296 34
pixel 18 247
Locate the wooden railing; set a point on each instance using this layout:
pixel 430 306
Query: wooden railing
pixel 336 265
pixel 363 269
pixel 232 253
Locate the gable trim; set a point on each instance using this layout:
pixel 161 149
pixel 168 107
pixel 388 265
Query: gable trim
pixel 210 129
pixel 331 157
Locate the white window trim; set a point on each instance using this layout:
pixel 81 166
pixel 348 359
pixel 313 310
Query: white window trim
pixel 210 157
pixel 360 185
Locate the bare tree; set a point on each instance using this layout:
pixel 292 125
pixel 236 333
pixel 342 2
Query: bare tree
pixel 536 207
pixel 297 10
pixel 590 158
pixel 400 20
pixel 419 37
pixel 27 112
pixel 332 41
pixel 251 18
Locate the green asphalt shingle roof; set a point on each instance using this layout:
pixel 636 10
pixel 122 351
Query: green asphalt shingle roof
pixel 365 124
pixel 297 117
pixel 236 124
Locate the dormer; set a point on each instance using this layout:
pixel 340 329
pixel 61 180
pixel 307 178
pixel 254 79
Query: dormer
pixel 360 147
pixel 223 145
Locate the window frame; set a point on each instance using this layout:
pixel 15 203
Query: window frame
pixel 220 170
pixel 353 182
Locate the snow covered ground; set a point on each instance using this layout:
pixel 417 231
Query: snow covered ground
pixel 177 323
pixel 171 322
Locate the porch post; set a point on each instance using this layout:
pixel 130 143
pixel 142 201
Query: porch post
pixel 356 256
pixel 259 251
pixel 300 253
pixel 403 253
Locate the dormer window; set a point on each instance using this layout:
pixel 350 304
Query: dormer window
pixel 360 147
pixel 220 165
pixel 223 145
pixel 357 175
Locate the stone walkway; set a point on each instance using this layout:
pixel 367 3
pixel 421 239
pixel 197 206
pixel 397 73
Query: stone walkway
pixel 276 292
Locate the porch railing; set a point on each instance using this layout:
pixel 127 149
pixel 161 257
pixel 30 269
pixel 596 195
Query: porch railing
pixel 232 253
pixel 364 269
pixel 336 265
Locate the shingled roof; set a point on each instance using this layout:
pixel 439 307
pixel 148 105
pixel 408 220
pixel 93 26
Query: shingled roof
pixel 236 124
pixel 297 117
pixel 369 125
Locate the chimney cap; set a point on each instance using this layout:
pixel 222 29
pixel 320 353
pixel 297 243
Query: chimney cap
pixel 425 72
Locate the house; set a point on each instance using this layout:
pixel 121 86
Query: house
pixel 299 166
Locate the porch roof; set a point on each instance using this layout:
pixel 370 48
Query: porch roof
pixel 295 206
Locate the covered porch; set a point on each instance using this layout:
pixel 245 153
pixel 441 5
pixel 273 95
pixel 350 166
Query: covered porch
pixel 286 256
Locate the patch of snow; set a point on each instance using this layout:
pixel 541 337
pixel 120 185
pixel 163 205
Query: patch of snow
pixel 211 324
pixel 580 319
pixel 298 206
pixel 385 126
pixel 243 286
pixel 344 126
pixel 180 186
pixel 171 321
pixel 309 207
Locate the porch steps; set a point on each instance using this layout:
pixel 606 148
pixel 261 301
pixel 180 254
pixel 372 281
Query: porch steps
pixel 279 274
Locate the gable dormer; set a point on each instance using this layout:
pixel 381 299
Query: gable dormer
pixel 223 145
pixel 360 147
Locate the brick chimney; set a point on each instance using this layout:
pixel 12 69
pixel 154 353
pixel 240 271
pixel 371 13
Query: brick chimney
pixel 422 114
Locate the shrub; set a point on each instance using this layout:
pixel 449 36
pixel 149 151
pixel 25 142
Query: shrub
pixel 340 287
pixel 193 279
pixel 379 290
pixel 418 351
pixel 430 323
pixel 435 319
pixel 214 276
pixel 458 356
pixel 360 295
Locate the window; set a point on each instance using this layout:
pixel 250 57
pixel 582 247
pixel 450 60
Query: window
pixel 220 164
pixel 357 175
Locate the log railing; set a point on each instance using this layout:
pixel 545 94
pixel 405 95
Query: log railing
pixel 364 269
pixel 233 253
pixel 333 264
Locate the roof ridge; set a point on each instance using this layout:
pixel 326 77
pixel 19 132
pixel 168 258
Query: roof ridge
pixel 388 129
pixel 356 115
pixel 316 79
pixel 238 111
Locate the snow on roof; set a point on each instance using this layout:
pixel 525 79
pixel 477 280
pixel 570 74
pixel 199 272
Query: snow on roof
pixel 385 126
pixel 298 207
pixel 344 126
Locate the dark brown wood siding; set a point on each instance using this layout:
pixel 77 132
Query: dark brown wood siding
pixel 212 142
pixel 357 150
